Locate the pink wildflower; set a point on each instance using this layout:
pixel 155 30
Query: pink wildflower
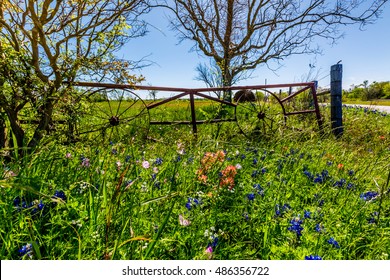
pixel 145 164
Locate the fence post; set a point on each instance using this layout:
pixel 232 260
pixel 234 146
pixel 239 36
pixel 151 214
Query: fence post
pixel 336 109
pixel 193 117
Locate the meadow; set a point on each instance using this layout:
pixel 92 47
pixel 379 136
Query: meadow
pixel 293 194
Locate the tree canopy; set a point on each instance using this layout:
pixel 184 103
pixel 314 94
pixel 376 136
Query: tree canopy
pixel 57 41
pixel 239 35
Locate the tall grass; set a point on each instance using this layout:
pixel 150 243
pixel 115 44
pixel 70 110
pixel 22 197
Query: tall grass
pixel 295 194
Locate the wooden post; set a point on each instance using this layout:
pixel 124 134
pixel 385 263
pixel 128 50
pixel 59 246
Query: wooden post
pixel 193 117
pixel 336 109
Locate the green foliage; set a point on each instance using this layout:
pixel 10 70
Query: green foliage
pixel 375 90
pixel 150 199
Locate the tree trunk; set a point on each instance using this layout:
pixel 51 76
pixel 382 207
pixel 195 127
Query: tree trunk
pixel 226 71
pixel 3 136
pixel 17 130
pixel 47 111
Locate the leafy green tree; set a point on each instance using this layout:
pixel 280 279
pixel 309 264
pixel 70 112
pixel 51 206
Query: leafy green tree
pixel 45 43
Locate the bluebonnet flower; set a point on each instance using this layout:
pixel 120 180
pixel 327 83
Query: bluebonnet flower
pixel 26 250
pixel 59 194
pixel 214 241
pixel 154 175
pixel 20 202
pixel 246 216
pixel 313 257
pixel 351 172
pixel 111 143
pixel 243 156
pixel 114 151
pixel 340 183
pixel 255 173
pixel 158 161
pixel 350 186
pixel 329 163
pixel 333 242
pixel 308 174
pixel 367 196
pixel 178 158
pixel 286 207
pixel 251 196
pixel 41 205
pixel 260 190
pixel 318 179
pixel 127 158
pixel 319 228
pixel 280 211
pixel 325 173
pixel 255 161
pixel 372 219
pixel 263 170
pixel 296 226
pixel 307 214
pixel 157 184
pixel 190 160
pixel 192 202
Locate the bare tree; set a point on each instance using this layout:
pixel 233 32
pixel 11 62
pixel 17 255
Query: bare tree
pixel 241 34
pixel 52 41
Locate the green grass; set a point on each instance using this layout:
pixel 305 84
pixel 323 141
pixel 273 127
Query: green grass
pixel 150 199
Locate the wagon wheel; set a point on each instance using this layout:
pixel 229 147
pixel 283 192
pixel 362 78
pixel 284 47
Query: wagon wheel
pixel 260 115
pixel 113 115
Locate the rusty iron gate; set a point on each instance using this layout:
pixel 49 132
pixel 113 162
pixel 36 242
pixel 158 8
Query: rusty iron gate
pixel 249 112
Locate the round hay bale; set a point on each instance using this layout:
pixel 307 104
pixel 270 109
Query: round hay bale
pixel 244 95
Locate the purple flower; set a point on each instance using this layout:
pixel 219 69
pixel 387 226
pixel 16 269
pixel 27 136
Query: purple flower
pixel 251 196
pixel 296 226
pixel 319 228
pixel 59 194
pixel 85 162
pixel 318 179
pixel 260 190
pixel 313 257
pixel 26 250
pixel 158 161
pixel 333 242
pixel 339 183
pixel 367 196
pixel 308 174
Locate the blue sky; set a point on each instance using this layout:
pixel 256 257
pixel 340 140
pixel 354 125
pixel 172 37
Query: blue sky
pixel 365 55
